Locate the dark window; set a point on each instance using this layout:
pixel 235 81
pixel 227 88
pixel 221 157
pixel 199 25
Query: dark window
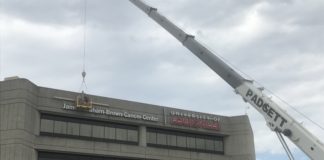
pixel 200 143
pixel 210 144
pixel 151 137
pixel 181 141
pixel 191 141
pixel 85 130
pixel 132 135
pixel 219 145
pixel 60 127
pixel 110 133
pixel 73 129
pixel 161 139
pixel 98 131
pixel 121 134
pixel 172 140
pixel 47 125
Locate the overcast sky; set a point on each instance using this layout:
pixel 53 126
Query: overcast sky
pixel 278 43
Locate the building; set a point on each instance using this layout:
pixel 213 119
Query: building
pixel 39 123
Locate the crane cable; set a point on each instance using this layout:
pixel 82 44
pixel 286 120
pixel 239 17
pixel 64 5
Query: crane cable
pixel 2 35
pixel 83 84
pixel 285 146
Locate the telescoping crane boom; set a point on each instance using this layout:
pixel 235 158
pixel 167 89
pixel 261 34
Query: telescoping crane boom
pixel 277 119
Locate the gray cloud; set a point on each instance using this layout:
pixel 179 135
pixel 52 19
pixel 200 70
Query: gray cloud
pixel 129 56
pixel 45 11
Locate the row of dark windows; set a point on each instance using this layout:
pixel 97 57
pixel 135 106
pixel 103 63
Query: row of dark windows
pixel 184 141
pixel 87 129
pixel 60 126
pixel 87 121
pixel 63 156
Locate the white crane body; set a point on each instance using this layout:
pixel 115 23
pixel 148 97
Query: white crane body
pixel 277 119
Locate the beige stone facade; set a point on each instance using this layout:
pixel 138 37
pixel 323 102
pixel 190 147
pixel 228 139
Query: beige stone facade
pixel 39 123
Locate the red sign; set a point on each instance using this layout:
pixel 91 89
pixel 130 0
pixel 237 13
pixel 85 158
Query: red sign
pixel 195 123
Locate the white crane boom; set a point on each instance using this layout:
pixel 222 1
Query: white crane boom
pixel 277 119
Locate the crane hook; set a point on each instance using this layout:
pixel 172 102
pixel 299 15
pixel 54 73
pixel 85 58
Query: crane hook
pixel 83 75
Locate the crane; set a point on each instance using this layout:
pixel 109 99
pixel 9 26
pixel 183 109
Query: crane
pixel 277 119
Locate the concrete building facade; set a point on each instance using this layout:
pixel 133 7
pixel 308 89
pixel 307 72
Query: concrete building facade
pixel 39 123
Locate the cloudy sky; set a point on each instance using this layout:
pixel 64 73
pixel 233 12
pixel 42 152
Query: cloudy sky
pixel 278 43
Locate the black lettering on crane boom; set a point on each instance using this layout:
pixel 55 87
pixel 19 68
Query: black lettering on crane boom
pixel 265 107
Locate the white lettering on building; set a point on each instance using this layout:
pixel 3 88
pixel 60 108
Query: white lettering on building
pixel 195 115
pixel 108 112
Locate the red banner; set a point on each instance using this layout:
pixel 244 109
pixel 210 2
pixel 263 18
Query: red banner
pixel 195 123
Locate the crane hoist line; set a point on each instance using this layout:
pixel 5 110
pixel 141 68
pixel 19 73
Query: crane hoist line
pixel 277 119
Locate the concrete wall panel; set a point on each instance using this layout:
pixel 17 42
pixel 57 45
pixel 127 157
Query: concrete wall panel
pixel 22 102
